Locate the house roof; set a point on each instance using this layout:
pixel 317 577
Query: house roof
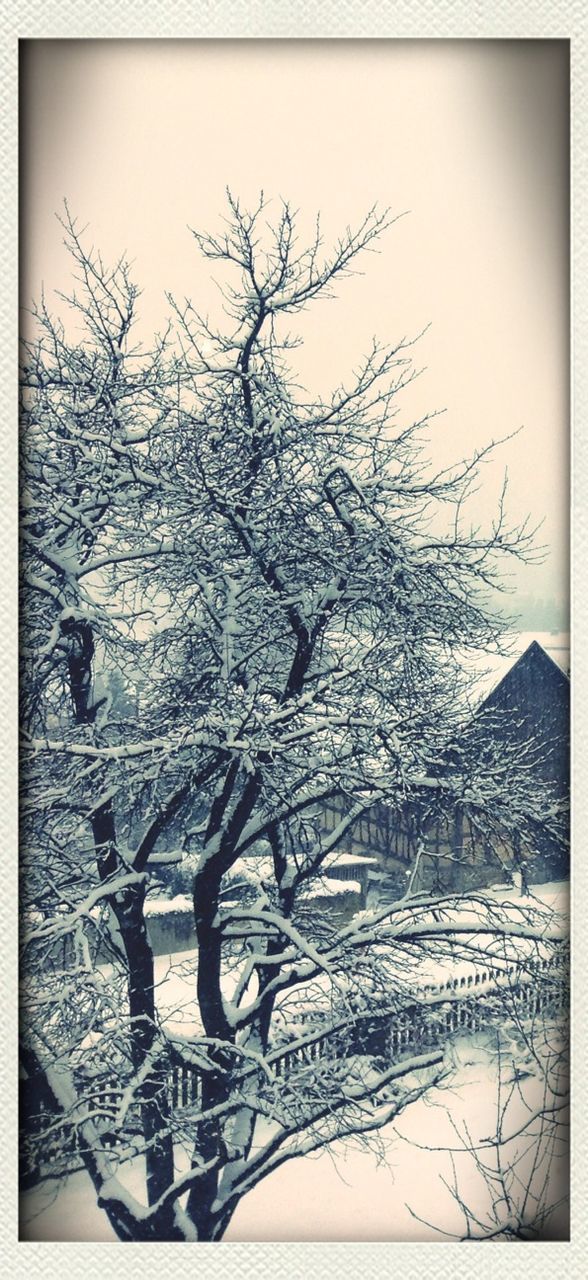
pixel 535 662
pixel 490 669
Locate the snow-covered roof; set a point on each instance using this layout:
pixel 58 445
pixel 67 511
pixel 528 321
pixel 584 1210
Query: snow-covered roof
pixel 358 860
pixel 328 886
pixel 162 906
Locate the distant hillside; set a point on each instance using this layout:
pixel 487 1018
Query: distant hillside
pixel 536 613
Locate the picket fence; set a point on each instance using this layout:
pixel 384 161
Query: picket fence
pixel 463 1003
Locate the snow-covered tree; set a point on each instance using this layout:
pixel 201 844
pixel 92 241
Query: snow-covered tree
pixel 238 606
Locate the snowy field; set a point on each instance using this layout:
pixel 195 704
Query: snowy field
pixel 175 975
pixel 418 1179
pixel 402 1187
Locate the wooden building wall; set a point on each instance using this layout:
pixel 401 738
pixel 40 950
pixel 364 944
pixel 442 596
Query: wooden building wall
pixel 532 702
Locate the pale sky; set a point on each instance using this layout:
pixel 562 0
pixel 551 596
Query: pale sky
pixel 469 138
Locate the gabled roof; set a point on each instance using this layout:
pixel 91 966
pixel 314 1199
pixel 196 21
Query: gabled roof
pixel 489 668
pixel 534 661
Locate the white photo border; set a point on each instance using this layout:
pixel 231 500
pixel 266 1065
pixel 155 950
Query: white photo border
pixel 288 19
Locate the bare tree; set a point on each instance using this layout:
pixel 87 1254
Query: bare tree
pixel 503 1162
pixel 286 592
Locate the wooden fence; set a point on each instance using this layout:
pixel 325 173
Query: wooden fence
pixel 465 1003
pixel 461 1004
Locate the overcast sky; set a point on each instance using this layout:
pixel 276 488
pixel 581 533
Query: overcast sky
pixel 469 138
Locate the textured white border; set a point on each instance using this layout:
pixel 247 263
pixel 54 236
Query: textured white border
pixel 292 19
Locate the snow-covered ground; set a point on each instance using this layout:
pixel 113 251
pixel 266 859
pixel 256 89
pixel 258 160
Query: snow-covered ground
pixel 418 1179
pixel 400 1188
pixel 176 974
pixel 406 1185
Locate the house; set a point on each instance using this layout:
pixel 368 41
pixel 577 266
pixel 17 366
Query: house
pixel 526 713
pixel 534 700
pixel 527 709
